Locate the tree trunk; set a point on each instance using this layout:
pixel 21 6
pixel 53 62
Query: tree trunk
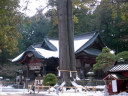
pixel 66 40
pixel 71 37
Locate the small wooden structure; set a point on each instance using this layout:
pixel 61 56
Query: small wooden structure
pixel 117 79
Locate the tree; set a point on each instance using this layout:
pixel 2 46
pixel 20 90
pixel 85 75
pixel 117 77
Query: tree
pixel 52 15
pixel 122 56
pixel 66 40
pixel 9 18
pixel 81 16
pixel 112 26
pixel 104 60
pixel 33 30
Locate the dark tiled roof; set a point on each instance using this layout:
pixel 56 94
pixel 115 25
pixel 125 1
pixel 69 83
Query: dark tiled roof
pixel 119 67
pixel 89 43
pixel 85 35
pixel 45 45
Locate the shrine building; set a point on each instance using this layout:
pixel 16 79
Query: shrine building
pixel 117 78
pixel 43 57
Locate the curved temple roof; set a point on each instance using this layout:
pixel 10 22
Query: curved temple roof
pixel 50 47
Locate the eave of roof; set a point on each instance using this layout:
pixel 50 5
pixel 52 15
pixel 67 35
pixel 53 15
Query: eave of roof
pixel 92 51
pixel 115 76
pixel 20 57
pixel 88 43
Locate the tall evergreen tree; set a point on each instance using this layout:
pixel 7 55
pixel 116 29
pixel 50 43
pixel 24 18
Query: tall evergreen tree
pixel 9 18
pixel 111 24
pixel 33 30
pixel 66 39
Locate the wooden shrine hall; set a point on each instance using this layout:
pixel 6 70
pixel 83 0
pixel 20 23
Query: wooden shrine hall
pixel 43 57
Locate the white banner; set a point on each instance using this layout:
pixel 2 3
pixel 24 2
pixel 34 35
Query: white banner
pixel 70 74
pixel 0 86
pixel 59 74
pixel 114 85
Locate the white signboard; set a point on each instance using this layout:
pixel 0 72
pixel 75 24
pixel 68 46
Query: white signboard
pixel 35 66
pixel 114 85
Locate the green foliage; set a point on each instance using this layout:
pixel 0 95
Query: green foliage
pixel 9 18
pixel 33 30
pixel 122 56
pixel 52 15
pixel 82 18
pixel 104 60
pixel 110 18
pixel 50 80
pixel 111 22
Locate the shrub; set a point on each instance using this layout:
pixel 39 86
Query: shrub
pixel 122 56
pixel 50 80
pixel 104 60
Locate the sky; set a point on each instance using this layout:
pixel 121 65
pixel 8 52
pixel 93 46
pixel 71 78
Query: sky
pixel 32 6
